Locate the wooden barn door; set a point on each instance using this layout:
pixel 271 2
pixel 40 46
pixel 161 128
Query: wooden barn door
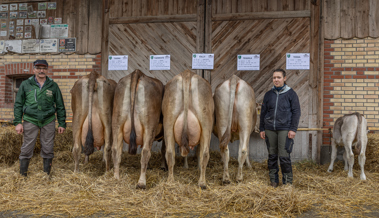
pixel 140 28
pixel 244 27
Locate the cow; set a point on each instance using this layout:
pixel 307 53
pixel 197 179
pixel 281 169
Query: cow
pixel 188 119
pixel 91 103
pixel 350 131
pixel 236 116
pixel 135 119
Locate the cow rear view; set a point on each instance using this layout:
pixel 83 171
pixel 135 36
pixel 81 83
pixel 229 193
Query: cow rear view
pixel 236 116
pixel 188 119
pixel 91 102
pixel 135 119
pixel 350 131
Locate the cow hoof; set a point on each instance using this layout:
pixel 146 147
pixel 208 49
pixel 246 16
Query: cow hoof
pixel 226 182
pixel 329 171
pixel 203 187
pixel 363 177
pixel 164 169
pixel 141 186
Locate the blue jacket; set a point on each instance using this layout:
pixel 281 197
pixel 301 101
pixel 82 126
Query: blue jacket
pixel 280 110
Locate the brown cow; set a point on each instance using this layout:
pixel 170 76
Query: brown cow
pixel 236 115
pixel 91 102
pixel 188 119
pixel 136 115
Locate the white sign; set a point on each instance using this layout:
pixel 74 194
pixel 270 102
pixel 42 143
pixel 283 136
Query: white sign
pixel 13 45
pixel 248 62
pixel 49 45
pixel 59 31
pixel 2 43
pixel 160 62
pixel 202 61
pixel 30 46
pixel 118 62
pixel 3 33
pixel 45 31
pixel 297 61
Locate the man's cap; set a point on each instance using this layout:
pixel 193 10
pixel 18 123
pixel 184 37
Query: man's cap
pixel 41 62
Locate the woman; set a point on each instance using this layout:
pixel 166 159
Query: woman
pixel 280 116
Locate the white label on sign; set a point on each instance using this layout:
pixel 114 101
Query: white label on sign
pixel 118 62
pixel 297 61
pixel 13 45
pixel 203 61
pixel 248 62
pixel 49 45
pixel 3 33
pixel 160 62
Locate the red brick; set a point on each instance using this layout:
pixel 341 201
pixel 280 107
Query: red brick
pixel 328 57
pixel 328 96
pixel 337 77
pixel 338 69
pixel 360 77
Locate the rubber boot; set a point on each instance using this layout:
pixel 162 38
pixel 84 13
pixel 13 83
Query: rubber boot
pixel 47 165
pixel 286 167
pixel 24 164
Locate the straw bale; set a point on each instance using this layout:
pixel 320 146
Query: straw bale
pixel 11 142
pixel 95 192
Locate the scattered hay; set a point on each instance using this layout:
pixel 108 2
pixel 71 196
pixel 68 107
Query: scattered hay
pixel 93 192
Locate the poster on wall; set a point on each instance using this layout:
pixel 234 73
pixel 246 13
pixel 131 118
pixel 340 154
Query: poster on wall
pixel 13 7
pixel 59 31
pixel 297 61
pixel 48 45
pixel 248 62
pixel 13 45
pixel 30 46
pixel 45 31
pixel 160 62
pixel 202 61
pixel 3 33
pixel 22 6
pixel 2 43
pixel 118 62
pixel 67 45
pixel 4 7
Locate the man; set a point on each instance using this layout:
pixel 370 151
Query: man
pixel 38 98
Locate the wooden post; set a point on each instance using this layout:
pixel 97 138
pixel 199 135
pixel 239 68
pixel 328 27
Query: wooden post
pixel 315 75
pixel 200 30
pixel 320 82
pixel 208 35
pixel 105 38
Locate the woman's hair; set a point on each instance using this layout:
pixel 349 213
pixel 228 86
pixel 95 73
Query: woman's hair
pixel 282 71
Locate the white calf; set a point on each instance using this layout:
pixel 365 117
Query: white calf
pixel 350 131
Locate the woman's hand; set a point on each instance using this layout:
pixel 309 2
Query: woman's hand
pixel 291 134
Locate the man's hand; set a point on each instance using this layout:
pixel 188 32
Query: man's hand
pixel 61 130
pixel 263 134
pixel 19 129
pixel 291 134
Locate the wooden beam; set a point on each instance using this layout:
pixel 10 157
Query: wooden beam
pixel 208 35
pixel 154 19
pixel 262 15
pixel 94 36
pixel 105 39
pixel 200 30
pixel 18 1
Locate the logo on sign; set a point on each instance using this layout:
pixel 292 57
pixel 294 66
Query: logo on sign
pixel 194 56
pixel 110 58
pixel 288 56
pixel 239 56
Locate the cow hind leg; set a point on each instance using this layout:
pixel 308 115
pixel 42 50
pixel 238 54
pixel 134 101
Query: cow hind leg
pixel 170 154
pixel 248 164
pixel 225 160
pixel 204 157
pixel 242 155
pixel 185 162
pixel 163 153
pixel 333 157
pixel 117 152
pixel 346 162
pixel 362 159
pixel 145 157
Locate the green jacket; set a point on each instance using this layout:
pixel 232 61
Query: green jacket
pixel 39 106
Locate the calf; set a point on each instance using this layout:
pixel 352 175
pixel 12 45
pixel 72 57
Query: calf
pixel 350 131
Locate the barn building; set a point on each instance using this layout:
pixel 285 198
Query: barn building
pixel 341 37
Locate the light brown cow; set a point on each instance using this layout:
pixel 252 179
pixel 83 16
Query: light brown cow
pixel 188 119
pixel 235 110
pixel 91 102
pixel 136 115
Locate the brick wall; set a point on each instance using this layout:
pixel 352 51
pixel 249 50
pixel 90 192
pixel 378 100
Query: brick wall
pixel 63 69
pixel 351 80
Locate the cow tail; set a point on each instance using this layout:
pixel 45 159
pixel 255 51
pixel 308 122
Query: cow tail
pixel 92 86
pixel 357 149
pixel 227 134
pixel 133 88
pixel 186 82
